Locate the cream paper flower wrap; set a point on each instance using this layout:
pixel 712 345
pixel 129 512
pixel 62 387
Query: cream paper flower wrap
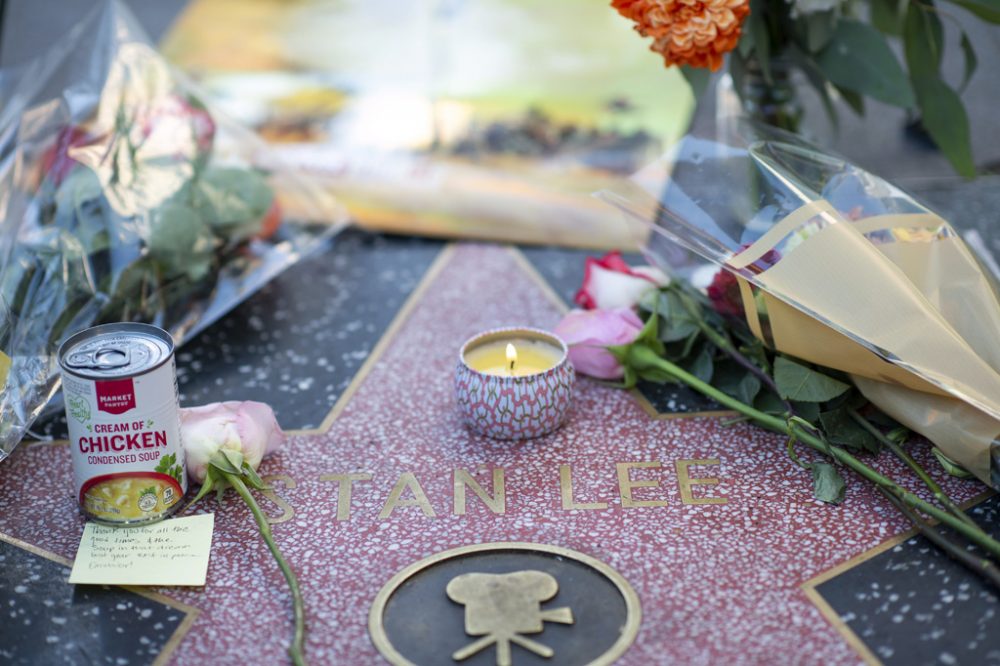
pixel 840 268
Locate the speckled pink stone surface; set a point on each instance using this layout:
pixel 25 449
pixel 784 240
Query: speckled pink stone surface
pixel 718 583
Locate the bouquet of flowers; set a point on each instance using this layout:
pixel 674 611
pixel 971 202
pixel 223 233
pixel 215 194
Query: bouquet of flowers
pixel 834 308
pixel 842 48
pixel 124 198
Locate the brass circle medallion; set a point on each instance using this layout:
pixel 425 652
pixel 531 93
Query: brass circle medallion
pixel 509 604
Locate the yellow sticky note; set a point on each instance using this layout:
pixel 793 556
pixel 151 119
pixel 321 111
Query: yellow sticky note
pixel 4 369
pixel 171 552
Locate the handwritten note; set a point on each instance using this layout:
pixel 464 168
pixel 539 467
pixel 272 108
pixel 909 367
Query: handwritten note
pixel 172 552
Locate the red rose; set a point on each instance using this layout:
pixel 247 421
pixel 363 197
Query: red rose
pixel 57 161
pixel 610 283
pixel 724 292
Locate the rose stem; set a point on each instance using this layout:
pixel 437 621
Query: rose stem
pixel 980 565
pixel 903 455
pixel 724 343
pixel 295 649
pixel 648 358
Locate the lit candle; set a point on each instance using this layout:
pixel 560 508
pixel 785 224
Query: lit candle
pixel 514 383
pixel 513 358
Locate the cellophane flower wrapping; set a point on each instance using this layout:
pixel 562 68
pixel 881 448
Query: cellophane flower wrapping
pixel 840 268
pixel 125 198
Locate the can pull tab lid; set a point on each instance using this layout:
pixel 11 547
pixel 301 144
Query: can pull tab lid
pixel 105 358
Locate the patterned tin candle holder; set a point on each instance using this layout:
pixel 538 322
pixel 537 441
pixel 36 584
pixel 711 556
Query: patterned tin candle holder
pixel 514 383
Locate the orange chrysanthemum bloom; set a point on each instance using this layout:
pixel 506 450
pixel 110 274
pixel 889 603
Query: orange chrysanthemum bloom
pixel 688 32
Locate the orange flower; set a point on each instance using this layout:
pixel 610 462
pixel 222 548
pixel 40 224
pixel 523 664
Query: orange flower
pixel 688 32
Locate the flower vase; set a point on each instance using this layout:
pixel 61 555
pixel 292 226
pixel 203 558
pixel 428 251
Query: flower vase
pixel 775 101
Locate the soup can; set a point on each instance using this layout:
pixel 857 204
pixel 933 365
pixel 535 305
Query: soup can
pixel 120 388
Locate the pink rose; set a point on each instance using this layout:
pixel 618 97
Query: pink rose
pixel 177 108
pixel 245 427
pixel 590 332
pixel 609 282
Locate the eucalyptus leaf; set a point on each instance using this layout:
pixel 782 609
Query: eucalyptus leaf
pixel 944 116
pixel 819 29
pixel 971 61
pixel 887 15
pixel 859 59
pixel 797 382
pixel 923 40
pixel 988 10
pixel 828 485
pixel 852 99
pixel 818 81
pixel 761 40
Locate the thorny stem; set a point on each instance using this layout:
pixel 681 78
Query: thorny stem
pixel 295 649
pixel 921 473
pixel 647 357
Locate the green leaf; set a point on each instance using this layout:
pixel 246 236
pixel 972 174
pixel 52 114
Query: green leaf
pixel 745 46
pixel 737 382
pixel 251 478
pixel 842 430
pixel 233 201
pixel 819 29
pixel 797 382
pixel 887 15
pixel 768 402
pixel 806 410
pixel 950 465
pixel 818 82
pixel 859 59
pixel 678 321
pixel 852 99
pixel 923 40
pixel 971 61
pixel 208 485
pixel 222 460
pixel 828 485
pixel 702 366
pixel 988 10
pixel 761 41
pixel 944 116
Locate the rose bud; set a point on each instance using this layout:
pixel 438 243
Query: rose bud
pixel 247 427
pixel 609 282
pixel 589 333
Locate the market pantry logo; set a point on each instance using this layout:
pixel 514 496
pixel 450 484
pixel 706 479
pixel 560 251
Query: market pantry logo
pixel 407 490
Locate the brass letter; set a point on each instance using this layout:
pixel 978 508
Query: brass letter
pixel 566 488
pixel 406 480
pixel 684 482
pixel 496 504
pixel 287 512
pixel 345 485
pixel 626 483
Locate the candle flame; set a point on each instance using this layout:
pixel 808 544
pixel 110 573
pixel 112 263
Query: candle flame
pixel 511 355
